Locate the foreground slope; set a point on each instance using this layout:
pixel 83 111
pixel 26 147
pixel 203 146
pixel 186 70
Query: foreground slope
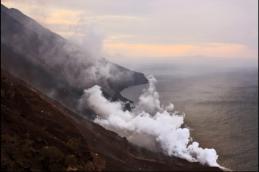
pixel 39 134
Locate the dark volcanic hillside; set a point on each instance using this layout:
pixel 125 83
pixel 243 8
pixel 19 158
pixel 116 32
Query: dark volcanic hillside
pixel 44 134
pixel 33 133
pixel 55 66
pixel 39 134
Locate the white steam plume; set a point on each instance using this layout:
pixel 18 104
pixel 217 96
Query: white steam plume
pixel 149 122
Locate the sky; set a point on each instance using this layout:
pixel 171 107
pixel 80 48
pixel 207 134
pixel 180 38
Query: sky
pixel 145 29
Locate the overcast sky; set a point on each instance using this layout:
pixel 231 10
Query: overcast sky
pixel 153 28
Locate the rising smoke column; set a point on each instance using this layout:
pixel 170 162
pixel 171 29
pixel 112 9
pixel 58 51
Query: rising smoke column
pixel 149 119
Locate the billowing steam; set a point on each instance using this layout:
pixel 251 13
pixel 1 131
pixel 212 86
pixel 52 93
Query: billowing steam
pixel 69 61
pixel 149 124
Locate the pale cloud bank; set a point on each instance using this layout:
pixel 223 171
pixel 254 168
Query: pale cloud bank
pixel 155 28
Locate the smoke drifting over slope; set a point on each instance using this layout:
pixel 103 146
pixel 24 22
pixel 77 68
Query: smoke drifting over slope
pixel 81 64
pixel 149 122
pixel 65 67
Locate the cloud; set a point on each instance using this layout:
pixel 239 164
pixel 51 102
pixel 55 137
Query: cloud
pixel 149 124
pixel 222 50
pixel 183 25
pixel 62 16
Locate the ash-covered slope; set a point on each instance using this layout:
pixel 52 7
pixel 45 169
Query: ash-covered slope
pixel 40 134
pixel 57 67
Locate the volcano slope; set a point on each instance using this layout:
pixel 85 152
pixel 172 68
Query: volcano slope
pixel 56 66
pixel 38 133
